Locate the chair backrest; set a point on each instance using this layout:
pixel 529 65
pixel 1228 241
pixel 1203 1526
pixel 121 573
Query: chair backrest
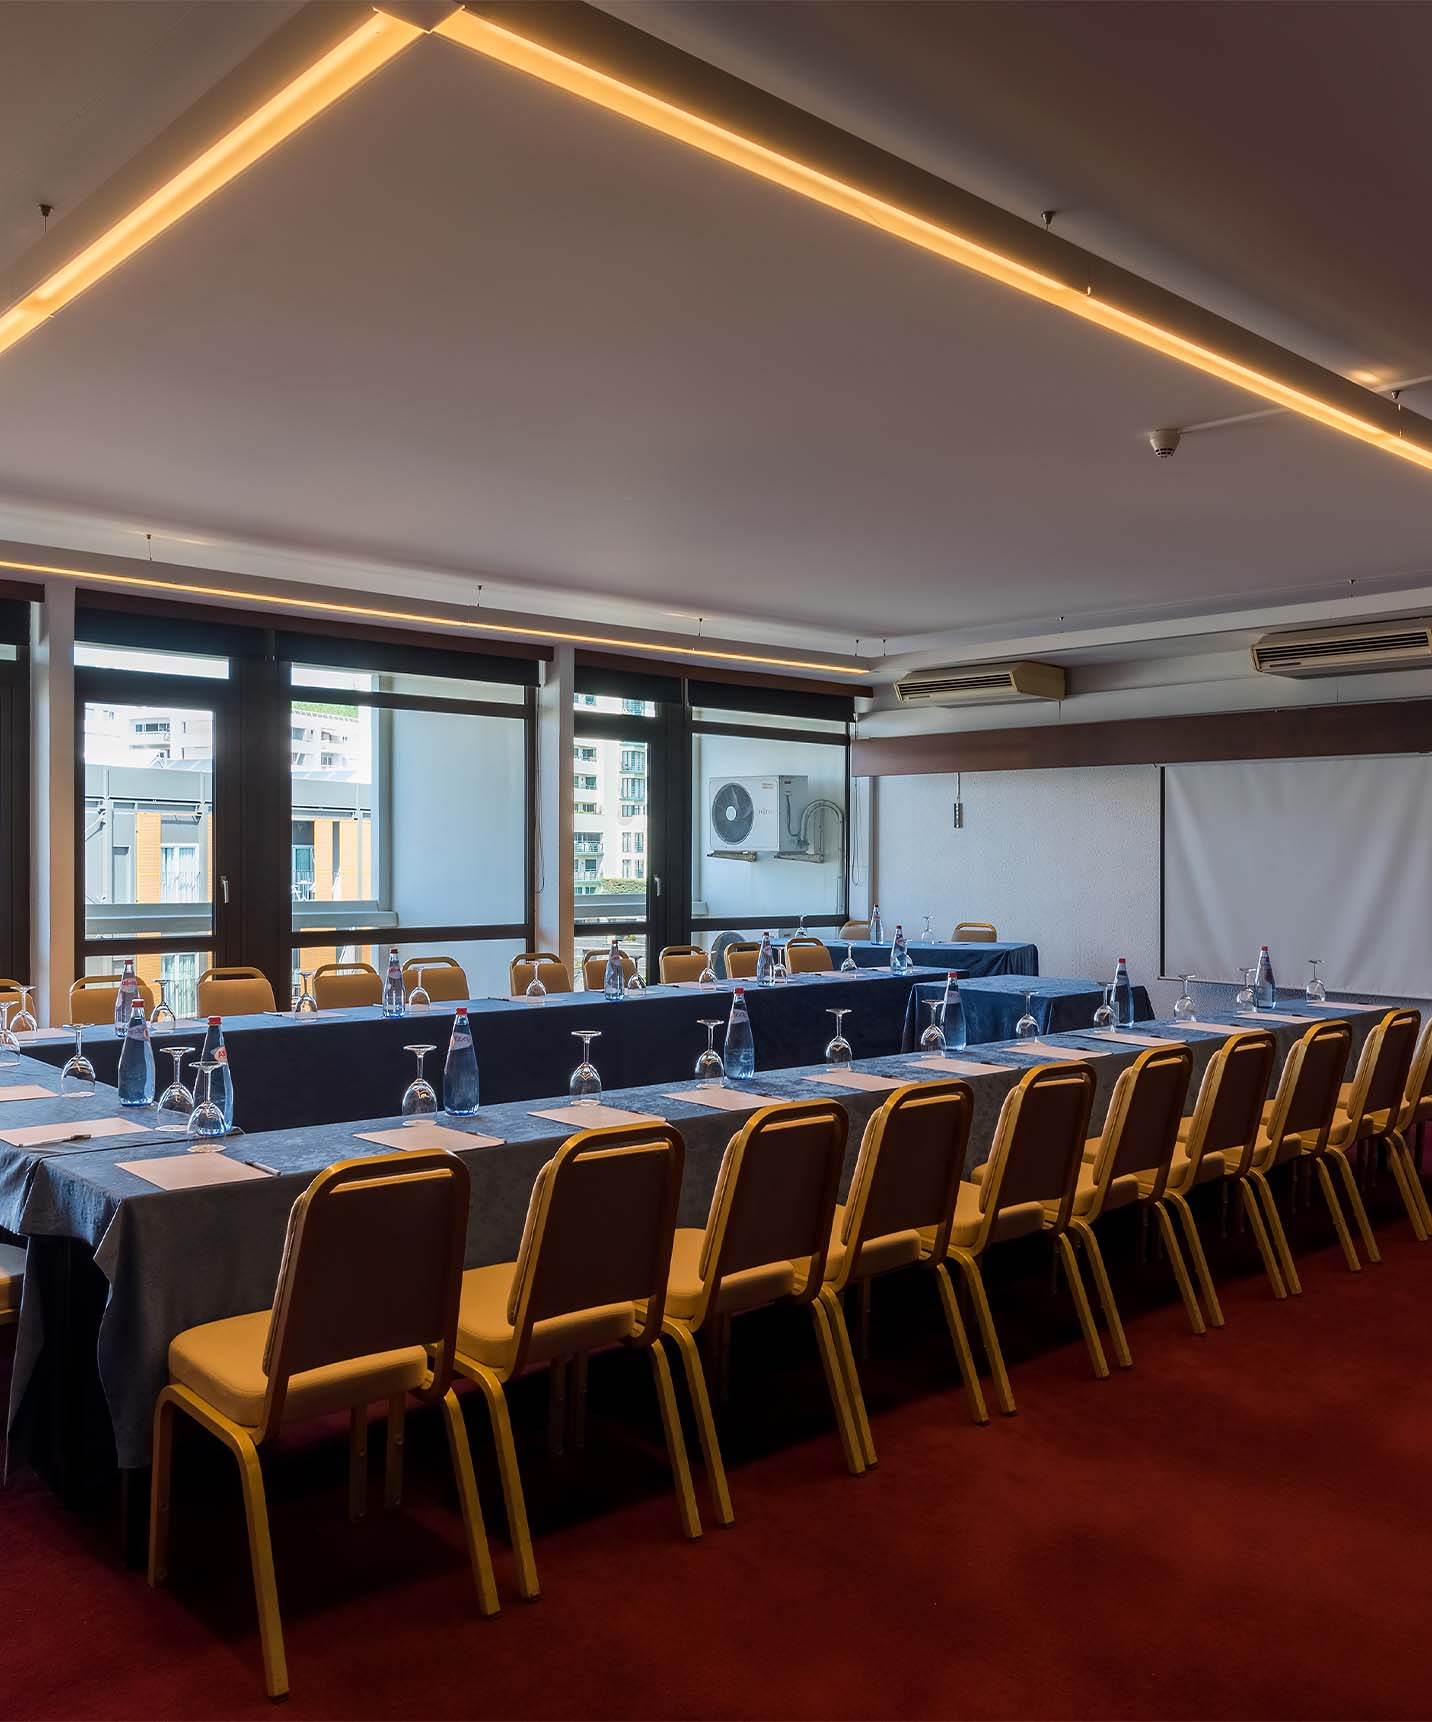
pixel 1145 1110
pixel 342 986
pixel 1308 1089
pixel 974 933
pixel 1229 1108
pixel 808 957
pixel 92 998
pixel 855 930
pixel 1380 1080
pixel 599 1229
pixel 1039 1142
pixel 1417 1104
pixel 594 969
pixel 741 959
pixel 444 978
pixel 555 975
pixel 237 991
pixel 9 992
pixel 408 1211
pixel 681 963
pixel 775 1196
pixel 912 1157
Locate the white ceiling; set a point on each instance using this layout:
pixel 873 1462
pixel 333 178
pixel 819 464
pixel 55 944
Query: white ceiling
pixel 466 328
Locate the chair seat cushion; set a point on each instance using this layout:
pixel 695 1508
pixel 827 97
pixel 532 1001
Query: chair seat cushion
pixel 1212 1164
pixel 484 1332
pixel 1120 1193
pixel 1016 1222
pixel 12 1276
pixel 879 1255
pixel 222 1362
pixel 748 1289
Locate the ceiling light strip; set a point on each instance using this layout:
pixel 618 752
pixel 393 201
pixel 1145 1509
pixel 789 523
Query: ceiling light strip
pixel 523 54
pixel 492 630
pixel 317 87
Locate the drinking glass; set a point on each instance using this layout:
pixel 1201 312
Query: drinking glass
pixel 1028 1025
pixel 535 989
pixel 927 933
pixel 838 1051
pixel 586 1083
pixel 206 1121
pixel 709 1067
pixel 635 984
pixel 1183 1010
pixel 780 972
pixel 1317 992
pixel 419 1096
pixel 23 1021
pixel 9 1046
pixel 418 998
pixel 933 1039
pixel 306 1004
pixel 1244 1001
pixel 176 1104
pixel 77 1074
pixel 161 1012
pixel 707 977
pixel 1104 1017
pixel 849 966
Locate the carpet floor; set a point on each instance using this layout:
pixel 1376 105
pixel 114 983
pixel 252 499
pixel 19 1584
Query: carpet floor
pixel 1238 1526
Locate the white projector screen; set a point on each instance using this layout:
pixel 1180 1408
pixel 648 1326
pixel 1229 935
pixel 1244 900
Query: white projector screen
pixel 1327 858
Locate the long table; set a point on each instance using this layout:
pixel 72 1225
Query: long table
pixel 993 1005
pixel 346 1064
pixel 1002 957
pixel 173 1259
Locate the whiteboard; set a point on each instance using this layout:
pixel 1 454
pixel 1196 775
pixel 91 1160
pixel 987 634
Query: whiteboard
pixel 1327 858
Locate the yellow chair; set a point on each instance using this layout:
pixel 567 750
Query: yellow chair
pixel 855 930
pixel 1415 1115
pixel 808 957
pixel 237 991
pixel 1027 1185
pixel 444 978
pixel 338 1337
pixel 594 969
pixel 92 998
pixel 765 1241
pixel 12 1282
pixel 1128 1162
pixel 911 1158
pixel 741 959
pixel 555 975
pixel 1367 1110
pixel 974 933
pixel 9 992
pixel 681 963
pixel 591 1272
pixel 1296 1121
pixel 345 986
pixel 1216 1142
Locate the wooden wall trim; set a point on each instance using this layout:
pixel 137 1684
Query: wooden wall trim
pixel 1301 732
pixel 675 665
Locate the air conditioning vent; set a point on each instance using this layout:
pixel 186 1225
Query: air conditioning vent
pixel 981 684
pixel 1405 644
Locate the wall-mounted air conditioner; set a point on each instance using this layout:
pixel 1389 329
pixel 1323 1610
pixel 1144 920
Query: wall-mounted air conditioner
pixel 1405 644
pixel 981 684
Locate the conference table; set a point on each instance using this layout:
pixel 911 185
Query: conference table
pixel 167 1259
pixel 993 1005
pixel 1002 957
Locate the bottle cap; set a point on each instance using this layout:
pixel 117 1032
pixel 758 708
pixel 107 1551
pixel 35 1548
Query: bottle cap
pixel 740 992
pixel 214 1021
pixel 952 974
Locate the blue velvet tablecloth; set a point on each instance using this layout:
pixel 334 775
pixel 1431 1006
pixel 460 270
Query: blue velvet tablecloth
pixel 994 1004
pixel 1002 958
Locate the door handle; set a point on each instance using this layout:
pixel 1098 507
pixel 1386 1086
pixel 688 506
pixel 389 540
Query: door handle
pixel 224 886
pixel 655 885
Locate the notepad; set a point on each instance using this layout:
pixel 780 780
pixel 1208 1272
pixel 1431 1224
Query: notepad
pixel 723 1099
pixel 77 1130
pixel 959 1066
pixel 412 1137
pixel 1124 1038
pixel 592 1115
pixel 191 1171
pixel 1275 1016
pixel 29 1091
pixel 863 1079
pixel 1042 1049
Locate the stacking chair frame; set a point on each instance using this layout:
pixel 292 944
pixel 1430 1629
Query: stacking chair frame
pixel 92 986
pixel 352 973
pixel 594 969
pixel 681 963
pixel 975 933
pixel 799 949
pixel 744 953
pixel 1416 1114
pixel 533 962
pixel 444 978
pixel 230 980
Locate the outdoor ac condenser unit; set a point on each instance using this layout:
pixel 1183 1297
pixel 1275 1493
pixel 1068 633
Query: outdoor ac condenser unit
pixel 755 813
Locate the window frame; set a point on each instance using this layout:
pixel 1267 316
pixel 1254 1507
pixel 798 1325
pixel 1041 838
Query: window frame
pixel 15 805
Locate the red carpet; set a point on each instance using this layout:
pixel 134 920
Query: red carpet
pixel 1236 1527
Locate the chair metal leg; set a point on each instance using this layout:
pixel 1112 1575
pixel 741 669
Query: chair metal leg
pixel 835 1386
pixel 1330 1196
pixel 705 1423
pixel 1122 1354
pixel 478 1552
pixel 1412 1160
pixel 1200 1260
pixel 358 1463
pixel 159 1484
pixel 1409 1185
pixel 845 1356
pixel 675 1442
pixel 1276 1233
pixel 261 1557
pixel 512 1496
pixel 1081 1304
pixel 393 1455
pixel 960 1339
pixel 1180 1271
pixel 1260 1234
pixel 984 1316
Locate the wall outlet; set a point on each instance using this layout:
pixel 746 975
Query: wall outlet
pixel 959 813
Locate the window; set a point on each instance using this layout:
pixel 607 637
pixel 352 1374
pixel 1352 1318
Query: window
pixel 588 807
pixel 633 810
pixel 584 780
pixel 14 790
pixel 634 759
pixel 587 842
pixel 585 754
pixel 633 789
pixel 609 703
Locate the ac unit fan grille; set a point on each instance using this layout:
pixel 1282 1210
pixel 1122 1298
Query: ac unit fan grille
pixel 1309 652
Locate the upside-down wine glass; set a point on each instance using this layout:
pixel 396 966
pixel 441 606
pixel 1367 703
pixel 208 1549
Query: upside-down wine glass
pixel 306 1004
pixel 927 933
pixel 707 977
pixel 710 1067
pixel 1183 1009
pixel 933 1039
pixel 849 966
pixel 419 1096
pixel 1104 1017
pixel 1317 992
pixel 23 1021
pixel 1244 1001
pixel 161 1014
pixel 534 988
pixel 838 1051
pixel 9 1046
pixel 206 1121
pixel 419 998
pixel 635 984
pixel 176 1104
pixel 77 1074
pixel 1028 1025
pixel 780 972
pixel 586 1083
